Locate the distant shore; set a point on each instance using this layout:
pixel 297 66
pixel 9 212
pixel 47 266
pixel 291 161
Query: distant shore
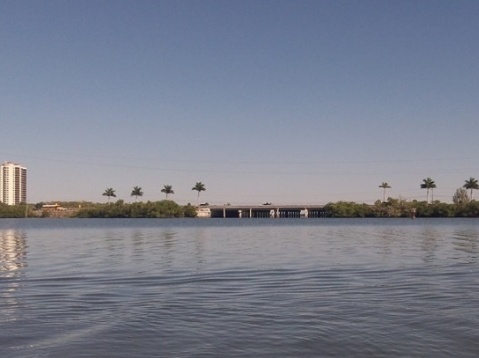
pixel 392 208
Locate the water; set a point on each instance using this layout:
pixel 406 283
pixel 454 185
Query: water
pixel 239 288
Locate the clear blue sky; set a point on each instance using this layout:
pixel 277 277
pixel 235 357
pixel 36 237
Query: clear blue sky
pixel 278 101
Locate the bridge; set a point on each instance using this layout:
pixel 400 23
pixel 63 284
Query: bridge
pixel 261 211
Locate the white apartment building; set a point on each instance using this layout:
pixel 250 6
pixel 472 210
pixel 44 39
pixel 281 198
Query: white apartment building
pixel 13 183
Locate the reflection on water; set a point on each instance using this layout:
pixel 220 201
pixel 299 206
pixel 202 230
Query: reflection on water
pixel 466 241
pixel 161 247
pixel 13 246
pixel 429 244
pixel 237 288
pixel 389 239
pixel 12 252
pixel 199 238
pixel 167 240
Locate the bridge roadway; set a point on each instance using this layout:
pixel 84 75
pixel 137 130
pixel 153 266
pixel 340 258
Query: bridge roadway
pixel 266 211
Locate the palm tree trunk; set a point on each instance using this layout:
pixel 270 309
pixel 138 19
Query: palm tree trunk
pixel 427 195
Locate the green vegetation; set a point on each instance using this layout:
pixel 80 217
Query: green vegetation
pixel 120 209
pixel 14 211
pixel 64 204
pixel 199 187
pixel 348 209
pixel 460 196
pixel 136 192
pixel 167 189
pixel 462 206
pixel 471 184
pixel 428 184
pixel 385 186
pixel 84 209
pixel 397 208
pixel 109 192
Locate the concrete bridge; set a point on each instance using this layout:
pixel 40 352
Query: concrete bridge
pixel 262 211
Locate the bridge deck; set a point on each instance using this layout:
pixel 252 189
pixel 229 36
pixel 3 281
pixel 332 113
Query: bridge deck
pixel 263 211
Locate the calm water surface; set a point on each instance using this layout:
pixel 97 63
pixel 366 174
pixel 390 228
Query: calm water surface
pixel 239 288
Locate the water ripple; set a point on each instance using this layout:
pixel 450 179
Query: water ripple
pixel 293 291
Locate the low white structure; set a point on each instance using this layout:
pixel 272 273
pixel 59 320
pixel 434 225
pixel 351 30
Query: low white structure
pixel 203 212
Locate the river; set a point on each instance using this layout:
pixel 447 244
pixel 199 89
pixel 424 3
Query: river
pixel 239 288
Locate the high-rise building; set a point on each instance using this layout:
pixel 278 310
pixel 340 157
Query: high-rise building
pixel 13 183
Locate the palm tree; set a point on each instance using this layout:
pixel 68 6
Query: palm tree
pixel 427 184
pixel 385 186
pixel 199 187
pixel 109 192
pixel 471 184
pixel 136 192
pixel 167 189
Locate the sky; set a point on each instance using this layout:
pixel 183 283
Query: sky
pixel 262 101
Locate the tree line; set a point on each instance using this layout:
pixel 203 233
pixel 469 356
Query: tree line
pixel 149 209
pixel 167 190
pixel 396 208
pixel 462 205
pixel 13 211
pixel 429 184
